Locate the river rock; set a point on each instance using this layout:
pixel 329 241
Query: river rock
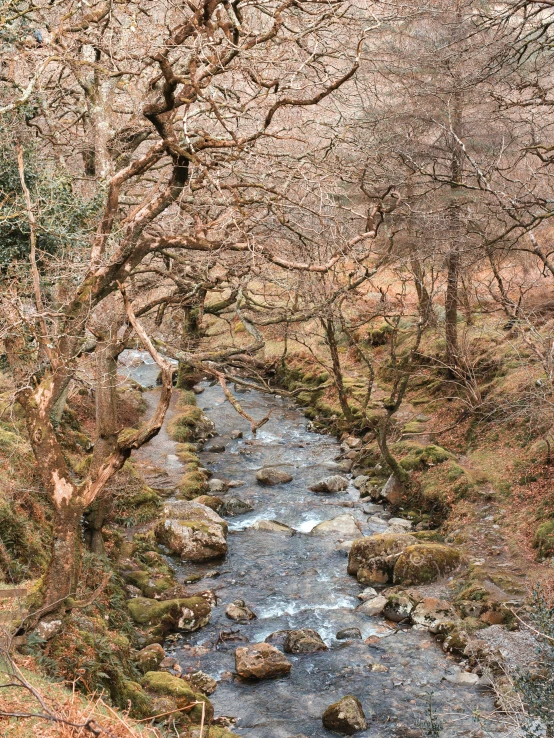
pixel 373 607
pixel 150 657
pixel 345 716
pixel 425 562
pixel 344 526
pixel 371 507
pixel 277 638
pixel 201 682
pixel 216 448
pixel 234 483
pixel 400 523
pixel 211 501
pixel 435 615
pixel 160 618
pixel 235 434
pixel 197 389
pixel 372 558
pixel 273 526
pixel 398 608
pixel 392 491
pixel 261 661
pixel 192 531
pixel 367 594
pixel 217 486
pixel 304 640
pixel 235 506
pixel 240 612
pixel 349 634
pixel 269 476
pixel 360 481
pixel 330 485
pixel 162 683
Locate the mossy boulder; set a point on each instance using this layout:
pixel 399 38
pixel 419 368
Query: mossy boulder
pixel 141 702
pixel 150 657
pixel 425 562
pixel 544 539
pixel 190 425
pixel 213 732
pixel 212 501
pixel 345 716
pixel 162 683
pixel 151 585
pixel 192 531
pixel 372 559
pixel 192 484
pixel 420 457
pixel 159 618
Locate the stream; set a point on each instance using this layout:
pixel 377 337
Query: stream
pixel 301 582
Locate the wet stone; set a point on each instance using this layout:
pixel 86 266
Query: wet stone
pixel 345 716
pixel 235 434
pixel 270 476
pixel 278 638
pixel 304 640
pixel 273 526
pixel 349 634
pixel 239 612
pixel 217 486
pixel 261 661
pixel 235 506
pixel 330 485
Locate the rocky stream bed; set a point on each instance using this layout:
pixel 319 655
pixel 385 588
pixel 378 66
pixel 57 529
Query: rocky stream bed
pixel 295 577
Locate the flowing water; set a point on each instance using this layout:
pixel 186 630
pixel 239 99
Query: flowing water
pixel 301 582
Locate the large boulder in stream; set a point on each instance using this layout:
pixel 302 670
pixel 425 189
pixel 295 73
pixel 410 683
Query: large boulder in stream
pixel 235 506
pixel 425 562
pixel 345 716
pixel 269 476
pixel 158 618
pixel 304 640
pixel 330 485
pixel 372 559
pixel 261 661
pixel 192 531
pixel 344 526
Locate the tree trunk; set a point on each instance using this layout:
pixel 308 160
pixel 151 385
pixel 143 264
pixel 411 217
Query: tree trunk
pixel 337 371
pixel 62 574
pixel 451 308
pixel 456 176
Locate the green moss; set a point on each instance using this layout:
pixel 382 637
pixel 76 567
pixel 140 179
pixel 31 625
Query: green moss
pixel 192 484
pixel 543 539
pixel 422 456
pixel 186 398
pixel 161 682
pixel 149 585
pixel 432 536
pixel 425 562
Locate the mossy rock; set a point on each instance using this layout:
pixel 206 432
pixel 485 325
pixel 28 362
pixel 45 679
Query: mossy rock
pixel 422 456
pixel 213 502
pixel 186 398
pixel 425 562
pixel 141 703
pixel 214 732
pixel 432 536
pixel 380 335
pixel 150 585
pixel 192 484
pixel 543 539
pixel 163 617
pixel 372 558
pixel 162 683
